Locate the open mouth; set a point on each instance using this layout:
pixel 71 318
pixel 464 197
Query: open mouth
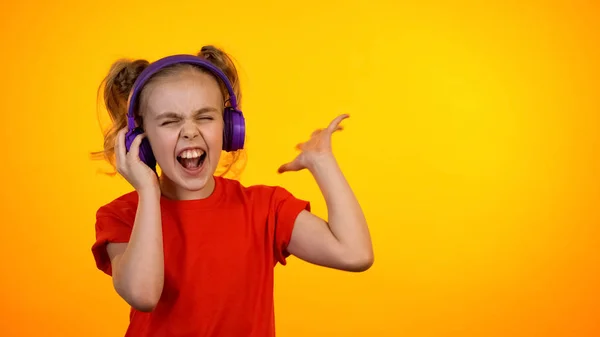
pixel 192 159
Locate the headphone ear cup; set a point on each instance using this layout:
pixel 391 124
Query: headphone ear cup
pixel 234 130
pixel 145 152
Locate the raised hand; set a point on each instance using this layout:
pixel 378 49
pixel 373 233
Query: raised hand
pixel 315 149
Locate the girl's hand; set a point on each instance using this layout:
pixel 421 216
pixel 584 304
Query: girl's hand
pixel 315 149
pixel 129 165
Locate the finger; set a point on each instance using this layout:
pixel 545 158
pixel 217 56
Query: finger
pixel 134 151
pixel 120 152
pixel 316 132
pixel 292 166
pixel 300 146
pixel 335 123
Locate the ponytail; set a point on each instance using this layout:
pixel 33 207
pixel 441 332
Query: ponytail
pixel 223 61
pixel 116 87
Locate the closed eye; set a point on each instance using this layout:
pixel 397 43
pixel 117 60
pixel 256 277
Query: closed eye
pixel 167 123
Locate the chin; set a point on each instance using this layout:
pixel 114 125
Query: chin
pixel 194 184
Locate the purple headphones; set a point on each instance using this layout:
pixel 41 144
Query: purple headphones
pixel 234 124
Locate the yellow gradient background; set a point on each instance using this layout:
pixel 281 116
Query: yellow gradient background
pixel 473 146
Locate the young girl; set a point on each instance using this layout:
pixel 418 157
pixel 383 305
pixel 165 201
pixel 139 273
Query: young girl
pixel 193 252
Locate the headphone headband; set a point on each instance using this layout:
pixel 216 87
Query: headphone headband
pixel 158 65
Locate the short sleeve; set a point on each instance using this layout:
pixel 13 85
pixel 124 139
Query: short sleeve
pixel 286 208
pixel 109 228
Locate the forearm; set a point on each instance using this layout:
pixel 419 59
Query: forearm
pixel 345 216
pixel 140 276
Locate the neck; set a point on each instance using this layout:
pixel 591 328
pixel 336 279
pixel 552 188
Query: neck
pixel 171 190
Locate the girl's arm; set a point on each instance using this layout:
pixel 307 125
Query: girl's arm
pixel 138 274
pixel 343 242
pixel 138 267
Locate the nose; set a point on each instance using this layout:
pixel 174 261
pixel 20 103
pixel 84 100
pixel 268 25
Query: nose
pixel 189 131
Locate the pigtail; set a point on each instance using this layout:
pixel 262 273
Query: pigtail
pixel 224 62
pixel 115 89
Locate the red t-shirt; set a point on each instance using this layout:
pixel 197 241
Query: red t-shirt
pixel 219 255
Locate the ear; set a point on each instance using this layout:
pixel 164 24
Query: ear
pixel 139 123
pixel 227 102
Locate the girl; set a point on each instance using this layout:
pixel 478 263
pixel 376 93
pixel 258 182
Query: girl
pixel 193 252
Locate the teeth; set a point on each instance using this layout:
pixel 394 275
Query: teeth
pixel 191 154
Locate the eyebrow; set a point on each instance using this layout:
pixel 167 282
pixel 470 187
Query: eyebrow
pixel 170 114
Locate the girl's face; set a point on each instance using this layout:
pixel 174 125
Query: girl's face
pixel 183 120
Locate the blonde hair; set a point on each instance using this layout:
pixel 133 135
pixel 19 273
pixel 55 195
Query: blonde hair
pixel 117 85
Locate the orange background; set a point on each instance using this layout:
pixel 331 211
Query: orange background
pixel 473 145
